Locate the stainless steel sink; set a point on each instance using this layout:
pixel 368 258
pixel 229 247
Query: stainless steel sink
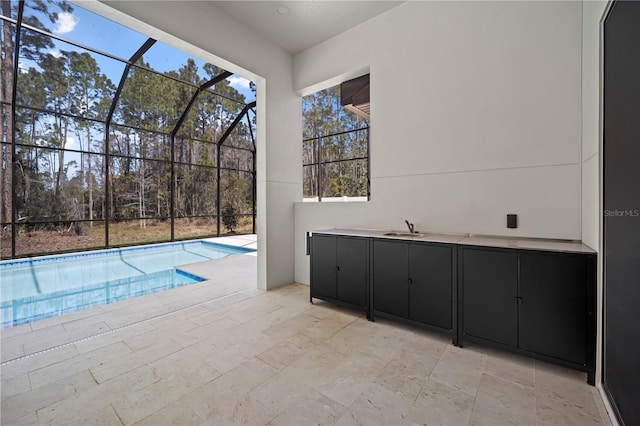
pixel 405 234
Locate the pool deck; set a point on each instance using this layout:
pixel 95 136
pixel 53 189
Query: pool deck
pixel 223 352
pixel 225 276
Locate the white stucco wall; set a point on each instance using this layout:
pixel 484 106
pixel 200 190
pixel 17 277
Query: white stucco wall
pixel 475 113
pixel 201 29
pixel 592 14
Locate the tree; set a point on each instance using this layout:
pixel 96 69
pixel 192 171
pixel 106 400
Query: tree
pixel 336 175
pixel 229 217
pixel 91 96
pixel 142 104
pixel 57 83
pixel 32 46
pixel 29 182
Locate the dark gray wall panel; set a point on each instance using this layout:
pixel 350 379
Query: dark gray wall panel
pixel 621 156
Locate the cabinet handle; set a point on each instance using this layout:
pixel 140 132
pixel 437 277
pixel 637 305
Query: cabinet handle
pixel 410 281
pixel 519 299
pixel 337 268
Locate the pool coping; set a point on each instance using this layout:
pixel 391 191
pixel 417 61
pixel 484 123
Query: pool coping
pixel 10 263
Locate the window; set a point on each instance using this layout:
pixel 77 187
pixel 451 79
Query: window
pixel 335 138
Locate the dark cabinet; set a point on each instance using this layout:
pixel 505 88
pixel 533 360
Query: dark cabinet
pixel 489 290
pixel 391 277
pixel 540 303
pixel 323 267
pixel 414 281
pixel 432 284
pixel 352 271
pixel 554 305
pixel 340 269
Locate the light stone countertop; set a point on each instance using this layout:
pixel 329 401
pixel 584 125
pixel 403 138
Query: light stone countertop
pixel 469 240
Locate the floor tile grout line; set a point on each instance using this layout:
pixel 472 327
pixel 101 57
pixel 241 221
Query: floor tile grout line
pixel 116 413
pixel 64 345
pixel 86 315
pixel 92 376
pixel 475 395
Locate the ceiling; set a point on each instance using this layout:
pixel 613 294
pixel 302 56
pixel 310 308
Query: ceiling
pixel 299 25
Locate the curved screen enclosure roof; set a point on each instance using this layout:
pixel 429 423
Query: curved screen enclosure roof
pixel 110 44
pixel 117 138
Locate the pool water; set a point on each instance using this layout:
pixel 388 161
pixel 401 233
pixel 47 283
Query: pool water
pixel 39 288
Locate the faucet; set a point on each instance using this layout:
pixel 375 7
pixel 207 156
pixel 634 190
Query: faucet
pixel 410 226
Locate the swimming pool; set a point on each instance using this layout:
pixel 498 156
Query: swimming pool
pixel 38 288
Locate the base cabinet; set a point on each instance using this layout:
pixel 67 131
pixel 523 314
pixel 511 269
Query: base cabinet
pixel 352 271
pixel 414 281
pixel 489 294
pixel 537 303
pixel 540 303
pixel 554 312
pixel 391 277
pixel 340 269
pixel 432 284
pixel 323 267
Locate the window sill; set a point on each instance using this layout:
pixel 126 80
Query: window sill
pixel 336 200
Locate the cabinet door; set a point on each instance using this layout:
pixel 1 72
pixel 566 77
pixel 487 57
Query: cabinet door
pixel 323 266
pixel 352 268
pixel 553 312
pixel 430 285
pixel 390 277
pixel 490 280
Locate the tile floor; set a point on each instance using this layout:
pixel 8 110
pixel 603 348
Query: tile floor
pixel 222 352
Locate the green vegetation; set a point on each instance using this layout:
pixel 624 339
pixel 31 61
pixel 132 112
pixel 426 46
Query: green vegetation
pixel 72 172
pixel 335 153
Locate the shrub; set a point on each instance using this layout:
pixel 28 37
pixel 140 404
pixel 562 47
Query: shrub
pixel 229 217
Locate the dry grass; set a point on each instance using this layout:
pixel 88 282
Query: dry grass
pixel 120 234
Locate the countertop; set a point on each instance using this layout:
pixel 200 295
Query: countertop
pixel 543 244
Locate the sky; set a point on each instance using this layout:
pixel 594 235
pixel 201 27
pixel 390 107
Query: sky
pixel 89 29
